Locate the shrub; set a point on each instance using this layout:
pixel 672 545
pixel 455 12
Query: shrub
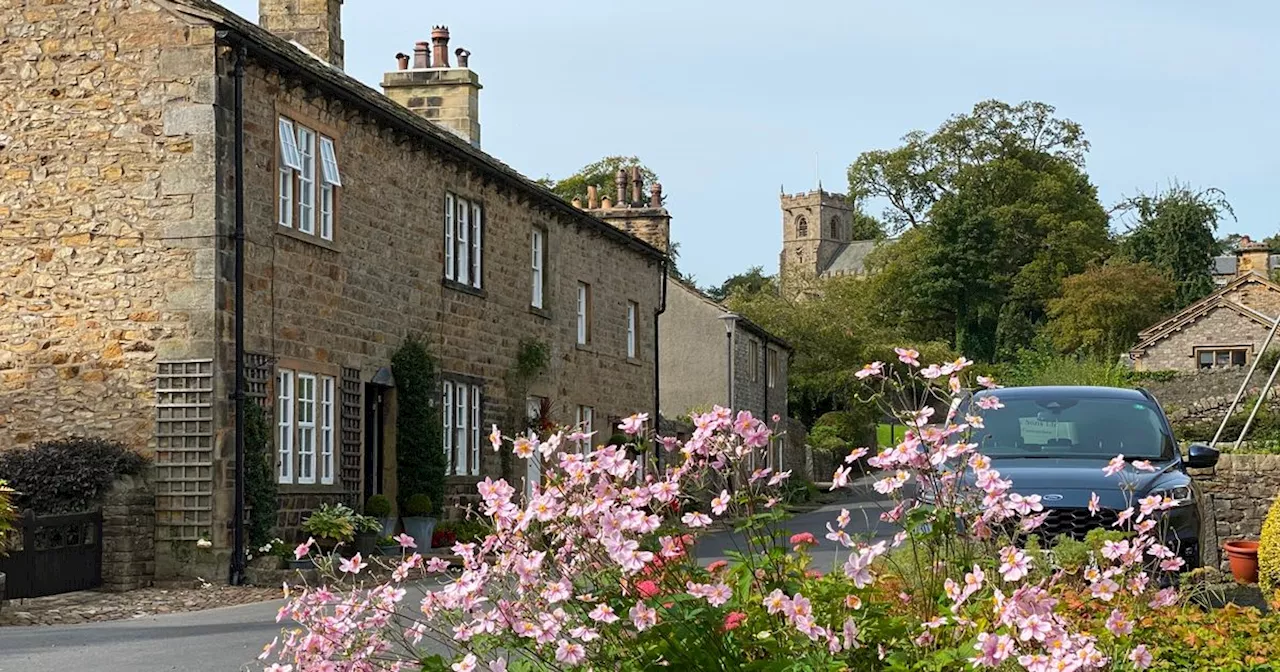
pixel 378 506
pixel 8 517
pixel 1269 552
pixel 259 476
pixel 420 459
pixel 68 474
pixel 418 505
pixel 332 521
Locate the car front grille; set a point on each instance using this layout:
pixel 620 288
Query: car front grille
pixel 1074 523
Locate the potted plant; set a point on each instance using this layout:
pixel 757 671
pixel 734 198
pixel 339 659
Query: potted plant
pixel 379 506
pixel 387 545
pixel 1243 554
pixel 418 522
pixel 272 555
pixel 445 535
pixel 368 529
pixel 8 528
pixel 330 525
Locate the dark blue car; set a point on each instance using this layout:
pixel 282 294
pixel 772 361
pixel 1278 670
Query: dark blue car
pixel 1054 442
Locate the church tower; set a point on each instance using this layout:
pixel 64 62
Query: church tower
pixel 816 226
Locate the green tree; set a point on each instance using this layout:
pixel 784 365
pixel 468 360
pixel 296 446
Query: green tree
pixel 420 459
pixel 753 281
pixel 1174 230
pixel 601 174
pixel 1102 310
pixel 913 177
pixel 866 227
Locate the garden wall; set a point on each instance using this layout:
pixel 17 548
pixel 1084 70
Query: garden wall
pixel 128 535
pixel 1202 395
pixel 1238 493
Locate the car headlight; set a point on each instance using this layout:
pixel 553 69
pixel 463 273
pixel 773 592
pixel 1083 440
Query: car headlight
pixel 1181 495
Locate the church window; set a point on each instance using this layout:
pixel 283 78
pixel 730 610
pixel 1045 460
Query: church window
pixel 802 227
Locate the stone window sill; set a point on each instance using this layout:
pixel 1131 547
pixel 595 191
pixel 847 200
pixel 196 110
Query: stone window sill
pixel 584 347
pixel 465 289
pixel 634 362
pixel 540 312
pixel 309 488
pixel 307 238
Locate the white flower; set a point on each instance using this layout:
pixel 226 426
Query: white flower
pixel 204 543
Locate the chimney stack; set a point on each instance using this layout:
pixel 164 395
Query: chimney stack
pixel 440 47
pixel 620 181
pixel 316 25
pixel 593 197
pixel 445 95
pixel 655 195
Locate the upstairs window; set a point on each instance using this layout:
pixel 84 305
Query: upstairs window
pixel 771 367
pixel 753 354
pixel 584 313
pixel 308 170
pixel 632 311
pixel 463 234
pixel 538 254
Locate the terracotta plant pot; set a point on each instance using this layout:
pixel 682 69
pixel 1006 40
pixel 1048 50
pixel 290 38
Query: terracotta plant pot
pixel 1243 555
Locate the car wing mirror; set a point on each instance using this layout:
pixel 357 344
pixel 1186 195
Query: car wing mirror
pixel 1201 456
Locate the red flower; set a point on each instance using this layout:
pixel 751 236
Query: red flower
pixel 803 538
pixel 733 619
pixel 813 574
pixel 717 566
pixel 647 588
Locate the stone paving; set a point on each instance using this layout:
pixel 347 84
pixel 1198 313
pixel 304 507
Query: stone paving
pixel 92 606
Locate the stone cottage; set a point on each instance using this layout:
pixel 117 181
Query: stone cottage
pixel 140 138
pixel 1224 329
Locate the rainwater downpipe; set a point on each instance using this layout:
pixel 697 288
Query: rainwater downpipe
pixel 657 368
pixel 237 524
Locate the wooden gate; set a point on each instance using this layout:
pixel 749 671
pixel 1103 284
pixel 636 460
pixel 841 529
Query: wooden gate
pixel 59 554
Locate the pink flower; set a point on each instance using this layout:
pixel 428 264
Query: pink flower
pixel 720 503
pixel 776 601
pixel 872 369
pixel 1118 624
pixel 908 356
pixel 603 613
pixel 524 447
pixel 855 455
pixel 990 403
pixel 406 541
pixel 1140 657
pixel 719 595
pixel 277 667
pixel 570 653
pixel 1014 564
pixel 632 425
pixel 1105 589
pixel 779 477
pixel 647 588
pixel 495 439
pixel 1165 598
pixel 1143 465
pixel 301 551
pixel 841 478
pixel 804 538
pixel 733 620
pixel 498 665
pixel 467 664
pixel 643 616
pixel 696 519
pixel 1115 466
pixel 353 565
pixel 1094 507
pixel 717 566
pixel 987 382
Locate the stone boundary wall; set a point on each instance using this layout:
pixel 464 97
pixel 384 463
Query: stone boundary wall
pixel 128 535
pixel 1202 395
pixel 1238 492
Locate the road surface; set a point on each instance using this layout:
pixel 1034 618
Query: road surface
pixel 229 639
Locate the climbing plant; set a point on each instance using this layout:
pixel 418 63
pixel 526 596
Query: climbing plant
pixel 420 459
pixel 259 479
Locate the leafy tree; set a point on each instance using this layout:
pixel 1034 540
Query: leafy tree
pixel 1174 231
pixel 913 177
pixel 602 174
pixel 1102 310
pixel 420 459
pixel 866 227
pixel 753 281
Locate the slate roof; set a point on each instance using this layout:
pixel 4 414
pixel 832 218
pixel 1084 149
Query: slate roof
pixel 852 258
pixel 1193 313
pixel 290 57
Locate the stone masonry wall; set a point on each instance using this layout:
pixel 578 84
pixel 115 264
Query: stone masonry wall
pixel 128 535
pixel 352 302
pixel 106 202
pixel 1239 492
pixel 1202 394
pixel 1222 326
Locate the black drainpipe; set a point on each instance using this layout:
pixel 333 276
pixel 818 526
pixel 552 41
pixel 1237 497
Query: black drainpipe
pixel 237 525
pixel 657 366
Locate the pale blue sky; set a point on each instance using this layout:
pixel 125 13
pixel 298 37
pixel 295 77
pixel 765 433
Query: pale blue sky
pixel 728 100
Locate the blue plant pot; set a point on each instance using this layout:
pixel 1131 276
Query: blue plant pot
pixel 389 526
pixel 421 529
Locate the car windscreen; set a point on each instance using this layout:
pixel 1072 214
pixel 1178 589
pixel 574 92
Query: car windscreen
pixel 1067 426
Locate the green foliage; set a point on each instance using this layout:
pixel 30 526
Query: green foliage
pixel 8 517
pixel 1174 231
pixel 465 531
pixel 68 474
pixel 332 521
pixel 420 459
pixel 532 358
pixel 825 437
pixel 753 281
pixel 1102 310
pixel 259 475
pixel 1070 554
pixel 367 524
pixel 1269 552
pixel 1230 639
pixel 378 506
pixel 602 175
pixel 1042 365
pixel 419 505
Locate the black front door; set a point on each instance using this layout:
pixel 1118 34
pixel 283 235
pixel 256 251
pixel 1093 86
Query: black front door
pixel 373 455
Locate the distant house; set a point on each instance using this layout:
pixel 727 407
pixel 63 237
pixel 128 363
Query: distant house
pixel 1226 328
pixel 1249 256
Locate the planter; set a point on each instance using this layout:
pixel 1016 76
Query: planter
pixel 393 551
pixel 421 529
pixel 389 526
pixel 366 543
pixel 1 591
pixel 304 563
pixel 1243 555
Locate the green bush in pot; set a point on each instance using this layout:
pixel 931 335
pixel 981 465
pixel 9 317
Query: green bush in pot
pixel 379 506
pixel 368 529
pixel 418 522
pixel 331 524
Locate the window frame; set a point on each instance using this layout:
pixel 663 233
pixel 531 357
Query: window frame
pixel 328 393
pixel 753 352
pixel 584 313
pixel 1214 351
pixel 291 192
pixel 306 436
pixel 462 406
pixel 585 423
pixel 305 445
pixel 772 370
pixel 284 426
pixel 305 190
pixel 464 223
pixel 633 330
pixel 538 268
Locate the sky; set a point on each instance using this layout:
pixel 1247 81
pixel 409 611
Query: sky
pixel 731 100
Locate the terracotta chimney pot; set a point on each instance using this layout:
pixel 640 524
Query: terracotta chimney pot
pixel 637 185
pixel 593 197
pixel 422 55
pixel 463 55
pixel 655 195
pixel 440 47
pixel 402 61
pixel 620 180
pixel 577 202
pixel 606 203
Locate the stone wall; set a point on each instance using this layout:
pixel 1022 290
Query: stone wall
pixel 128 535
pixel 106 213
pixel 1203 395
pixel 1220 327
pixel 1238 494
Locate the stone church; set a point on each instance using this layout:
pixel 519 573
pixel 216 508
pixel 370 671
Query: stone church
pixel 817 240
